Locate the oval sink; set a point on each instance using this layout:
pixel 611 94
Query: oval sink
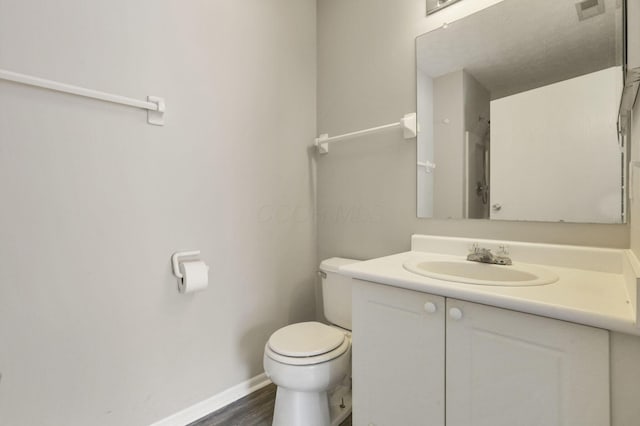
pixel 464 271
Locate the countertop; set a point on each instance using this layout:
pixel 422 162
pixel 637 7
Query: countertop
pixel 598 298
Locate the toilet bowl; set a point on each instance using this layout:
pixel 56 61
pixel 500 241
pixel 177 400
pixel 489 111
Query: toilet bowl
pixel 305 375
pixel 310 362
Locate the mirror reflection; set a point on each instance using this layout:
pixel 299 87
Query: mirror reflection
pixel 517 110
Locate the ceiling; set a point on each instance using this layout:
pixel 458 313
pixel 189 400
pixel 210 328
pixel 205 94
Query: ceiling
pixel 518 45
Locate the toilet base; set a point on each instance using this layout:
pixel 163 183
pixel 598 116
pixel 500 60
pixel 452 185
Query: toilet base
pixel 295 408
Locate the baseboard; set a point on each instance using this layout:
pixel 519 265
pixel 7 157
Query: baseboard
pixel 215 403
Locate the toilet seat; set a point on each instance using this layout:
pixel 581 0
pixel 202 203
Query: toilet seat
pixel 306 343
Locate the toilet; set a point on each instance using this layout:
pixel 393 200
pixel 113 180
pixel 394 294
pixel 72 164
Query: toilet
pixel 310 362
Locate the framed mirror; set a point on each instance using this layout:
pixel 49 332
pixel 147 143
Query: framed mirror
pixel 518 109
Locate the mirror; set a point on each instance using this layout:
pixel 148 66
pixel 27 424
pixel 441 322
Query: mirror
pixel 517 111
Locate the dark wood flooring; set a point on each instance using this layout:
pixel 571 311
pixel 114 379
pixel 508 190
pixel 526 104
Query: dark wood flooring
pixel 255 409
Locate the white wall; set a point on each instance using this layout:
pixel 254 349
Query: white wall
pixel 425 145
pixel 633 36
pixel 448 106
pixel 625 350
pixel 634 182
pixel 366 187
pixel 625 372
pixel 554 151
pixel 448 129
pixel 94 201
pixel 476 118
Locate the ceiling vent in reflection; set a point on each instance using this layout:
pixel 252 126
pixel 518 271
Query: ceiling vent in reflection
pixel 589 8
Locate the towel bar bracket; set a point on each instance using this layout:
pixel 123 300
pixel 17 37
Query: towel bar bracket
pixel 156 117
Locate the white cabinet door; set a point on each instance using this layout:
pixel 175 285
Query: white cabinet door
pixel 398 357
pixel 507 368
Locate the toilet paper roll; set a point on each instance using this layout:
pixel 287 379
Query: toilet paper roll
pixel 195 276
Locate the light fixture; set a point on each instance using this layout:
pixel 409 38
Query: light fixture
pixel 589 8
pixel 435 5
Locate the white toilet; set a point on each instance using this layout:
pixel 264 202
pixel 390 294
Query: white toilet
pixel 310 362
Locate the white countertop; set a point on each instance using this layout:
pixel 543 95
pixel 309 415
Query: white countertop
pixel 599 297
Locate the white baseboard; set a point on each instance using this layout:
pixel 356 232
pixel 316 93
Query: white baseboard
pixel 215 403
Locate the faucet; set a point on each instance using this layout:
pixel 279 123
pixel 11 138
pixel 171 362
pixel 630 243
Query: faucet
pixel 484 255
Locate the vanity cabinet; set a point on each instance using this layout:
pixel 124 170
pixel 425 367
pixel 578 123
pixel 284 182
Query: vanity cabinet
pixel 419 359
pixel 398 357
pixel 506 368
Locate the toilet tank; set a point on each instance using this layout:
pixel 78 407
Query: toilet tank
pixel 336 292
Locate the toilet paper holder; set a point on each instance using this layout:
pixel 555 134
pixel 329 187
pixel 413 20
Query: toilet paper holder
pixel 175 261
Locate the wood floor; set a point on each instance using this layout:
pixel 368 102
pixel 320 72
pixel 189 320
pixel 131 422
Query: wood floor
pixel 255 409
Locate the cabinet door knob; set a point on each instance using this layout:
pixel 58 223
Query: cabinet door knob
pixel 455 313
pixel 430 307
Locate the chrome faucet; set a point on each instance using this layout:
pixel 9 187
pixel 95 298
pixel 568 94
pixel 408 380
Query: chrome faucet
pixel 484 255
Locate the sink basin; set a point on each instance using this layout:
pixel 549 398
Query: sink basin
pixel 464 271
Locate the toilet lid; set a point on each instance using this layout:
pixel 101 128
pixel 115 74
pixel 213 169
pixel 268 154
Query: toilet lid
pixel 305 339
